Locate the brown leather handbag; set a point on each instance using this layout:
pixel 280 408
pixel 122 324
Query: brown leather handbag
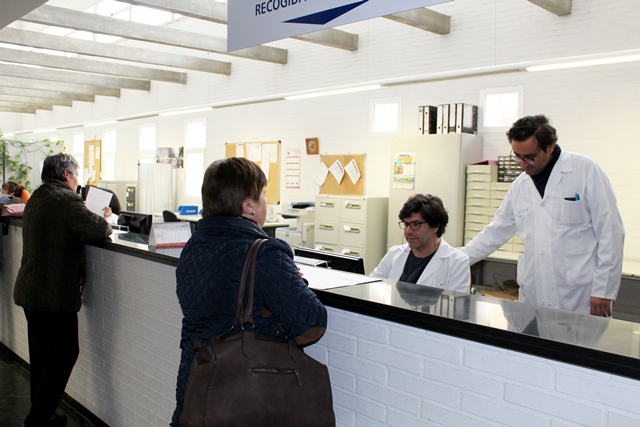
pixel 245 378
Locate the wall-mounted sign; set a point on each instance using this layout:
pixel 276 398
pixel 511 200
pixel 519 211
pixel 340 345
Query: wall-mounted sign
pixel 253 22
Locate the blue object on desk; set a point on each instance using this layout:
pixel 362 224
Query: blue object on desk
pixel 188 210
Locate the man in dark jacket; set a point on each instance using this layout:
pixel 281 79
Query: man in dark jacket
pixel 56 226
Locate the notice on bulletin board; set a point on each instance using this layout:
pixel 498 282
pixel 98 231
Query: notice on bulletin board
pixel 293 168
pixel 404 175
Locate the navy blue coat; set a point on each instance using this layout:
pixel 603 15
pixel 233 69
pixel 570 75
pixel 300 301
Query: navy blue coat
pixel 208 276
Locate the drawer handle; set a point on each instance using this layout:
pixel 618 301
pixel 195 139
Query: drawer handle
pixel 353 206
pixel 327 204
pixel 350 229
pixel 325 227
pixel 350 252
pixel 323 248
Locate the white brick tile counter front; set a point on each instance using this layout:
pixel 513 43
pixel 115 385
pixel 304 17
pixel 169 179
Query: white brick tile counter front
pixel 384 371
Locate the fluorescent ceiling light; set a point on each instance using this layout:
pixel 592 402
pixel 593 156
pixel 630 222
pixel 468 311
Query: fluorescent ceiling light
pixel 45 130
pixel 332 92
pixel 194 110
pixel 6 135
pixel 108 122
pixel 585 63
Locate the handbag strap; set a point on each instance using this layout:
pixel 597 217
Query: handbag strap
pixel 244 314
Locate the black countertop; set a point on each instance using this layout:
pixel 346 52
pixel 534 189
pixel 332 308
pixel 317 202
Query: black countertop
pixel 604 344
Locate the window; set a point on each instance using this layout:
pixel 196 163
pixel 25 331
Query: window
pixel 195 141
pixel 501 107
pixel 147 143
pixel 108 155
pixel 384 116
pixel 77 151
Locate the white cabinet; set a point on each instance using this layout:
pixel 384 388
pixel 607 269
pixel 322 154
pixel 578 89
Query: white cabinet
pixel 352 225
pixel 440 170
pixel 484 197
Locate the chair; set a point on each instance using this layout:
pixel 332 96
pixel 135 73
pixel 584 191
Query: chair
pixel 168 216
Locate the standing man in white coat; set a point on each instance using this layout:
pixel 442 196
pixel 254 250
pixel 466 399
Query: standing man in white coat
pixel 426 259
pixel 564 209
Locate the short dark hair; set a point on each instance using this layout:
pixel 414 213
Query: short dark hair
pixel 429 207
pixel 55 165
pixel 538 126
pixel 227 183
pixel 13 188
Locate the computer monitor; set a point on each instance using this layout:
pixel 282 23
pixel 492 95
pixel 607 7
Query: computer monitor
pixel 137 222
pixel 350 263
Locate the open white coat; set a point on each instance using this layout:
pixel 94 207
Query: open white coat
pixel 572 248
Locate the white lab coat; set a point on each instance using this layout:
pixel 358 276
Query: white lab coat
pixel 572 248
pixel 448 269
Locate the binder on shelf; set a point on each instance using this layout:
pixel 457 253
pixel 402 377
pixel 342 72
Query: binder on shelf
pixel 420 120
pixel 445 118
pixel 466 118
pixel 430 116
pixel 452 119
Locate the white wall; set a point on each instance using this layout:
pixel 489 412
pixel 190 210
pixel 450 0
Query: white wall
pixel 594 109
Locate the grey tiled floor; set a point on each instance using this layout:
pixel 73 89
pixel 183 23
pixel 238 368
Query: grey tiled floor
pixel 14 396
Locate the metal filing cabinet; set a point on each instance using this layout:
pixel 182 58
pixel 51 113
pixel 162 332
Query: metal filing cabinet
pixel 130 201
pixel 352 225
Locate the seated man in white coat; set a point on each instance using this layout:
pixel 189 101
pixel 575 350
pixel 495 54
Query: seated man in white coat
pixel 426 259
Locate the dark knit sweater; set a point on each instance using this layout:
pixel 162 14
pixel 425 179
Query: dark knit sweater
pixel 56 226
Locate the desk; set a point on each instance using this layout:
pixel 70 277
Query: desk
pixel 268 227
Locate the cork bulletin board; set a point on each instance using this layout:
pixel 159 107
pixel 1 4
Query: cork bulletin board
pixel 261 153
pixel 331 185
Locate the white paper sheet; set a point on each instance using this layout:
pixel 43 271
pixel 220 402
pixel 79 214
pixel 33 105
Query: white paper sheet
pixel 97 200
pixel 353 171
pixel 337 171
pixel 321 174
pixel 326 278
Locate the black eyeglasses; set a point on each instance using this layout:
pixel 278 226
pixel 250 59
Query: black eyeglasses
pixel 530 159
pixel 415 225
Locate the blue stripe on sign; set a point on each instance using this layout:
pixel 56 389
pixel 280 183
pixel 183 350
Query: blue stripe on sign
pixel 322 18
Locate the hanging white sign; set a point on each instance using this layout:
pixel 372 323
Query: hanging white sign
pixel 253 22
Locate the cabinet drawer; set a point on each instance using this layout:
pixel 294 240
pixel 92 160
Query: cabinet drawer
pixel 479 210
pixel 478 194
pixel 326 232
pixel 327 209
pixel 500 186
pixel 495 203
pixel 351 235
pixel 359 252
pixel 478 185
pixel 477 219
pixel 353 211
pixel 326 247
pixel 477 202
pixel 473 226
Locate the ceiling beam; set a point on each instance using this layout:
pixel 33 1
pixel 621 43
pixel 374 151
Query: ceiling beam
pixel 13 10
pixel 82 21
pixel 425 19
pixel 90 66
pixel 72 77
pixel 77 88
pixel 113 51
pixel 17 110
pixel 558 7
pixel 36 100
pixel 46 94
pixel 27 106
